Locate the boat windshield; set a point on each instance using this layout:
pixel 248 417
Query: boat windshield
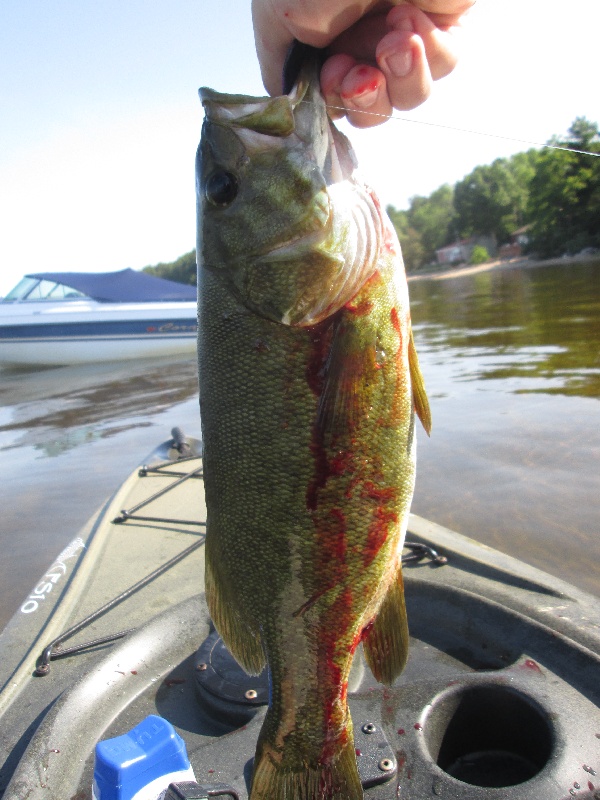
pixel 34 289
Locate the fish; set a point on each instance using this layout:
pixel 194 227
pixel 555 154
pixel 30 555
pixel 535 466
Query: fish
pixel 309 383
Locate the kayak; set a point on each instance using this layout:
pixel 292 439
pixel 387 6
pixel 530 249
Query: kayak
pixel 500 697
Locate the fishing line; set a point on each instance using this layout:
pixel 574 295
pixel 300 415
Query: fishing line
pixel 463 130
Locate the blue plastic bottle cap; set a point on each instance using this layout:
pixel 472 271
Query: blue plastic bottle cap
pixel 141 764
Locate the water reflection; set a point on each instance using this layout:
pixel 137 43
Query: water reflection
pixel 537 328
pixel 57 410
pixel 511 360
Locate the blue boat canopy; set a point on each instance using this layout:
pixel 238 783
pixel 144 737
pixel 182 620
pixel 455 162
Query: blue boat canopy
pixel 124 286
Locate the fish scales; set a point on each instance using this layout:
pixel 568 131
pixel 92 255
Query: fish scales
pixel 306 391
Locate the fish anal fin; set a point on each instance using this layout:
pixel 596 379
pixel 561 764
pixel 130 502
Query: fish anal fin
pixel 386 643
pixel 242 642
pixel 418 386
pixel 334 777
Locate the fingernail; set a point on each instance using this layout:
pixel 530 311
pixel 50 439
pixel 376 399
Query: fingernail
pixel 404 24
pixel 366 99
pixel 400 64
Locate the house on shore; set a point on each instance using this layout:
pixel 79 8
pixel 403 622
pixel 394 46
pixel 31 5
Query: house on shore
pixel 518 240
pixel 460 252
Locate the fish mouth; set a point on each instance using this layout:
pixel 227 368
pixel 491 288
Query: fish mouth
pixel 273 116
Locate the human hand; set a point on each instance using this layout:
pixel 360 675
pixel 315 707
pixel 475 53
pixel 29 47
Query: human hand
pixel 382 54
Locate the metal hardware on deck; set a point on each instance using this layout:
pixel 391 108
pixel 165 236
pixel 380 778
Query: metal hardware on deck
pixel 49 653
pixel 180 443
pixel 161 469
pixel 421 551
pixel 130 513
pixel 369 727
pixel 189 790
pixel 374 755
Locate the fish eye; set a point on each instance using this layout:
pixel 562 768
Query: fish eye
pixel 221 188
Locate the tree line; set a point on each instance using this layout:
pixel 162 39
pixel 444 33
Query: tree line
pixel 554 192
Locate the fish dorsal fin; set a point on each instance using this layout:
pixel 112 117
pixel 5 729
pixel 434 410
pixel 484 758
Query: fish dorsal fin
pixel 418 386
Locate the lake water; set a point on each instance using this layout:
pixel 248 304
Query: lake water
pixel 512 364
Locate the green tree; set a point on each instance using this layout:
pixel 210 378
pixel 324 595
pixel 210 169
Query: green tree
pixel 582 134
pixel 479 255
pixel 182 270
pixel 433 217
pixel 427 225
pixel 493 199
pixel 564 202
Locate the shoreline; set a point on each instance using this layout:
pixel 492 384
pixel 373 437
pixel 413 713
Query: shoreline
pixel 500 264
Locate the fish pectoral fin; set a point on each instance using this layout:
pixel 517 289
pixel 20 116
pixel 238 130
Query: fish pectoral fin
pixel 349 378
pixel 241 640
pixel 386 644
pixel 418 386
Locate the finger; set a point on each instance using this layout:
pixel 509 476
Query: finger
pixel 439 33
pixel 402 59
pixel 451 9
pixel 312 22
pixel 359 90
pixel 272 41
pixel 333 72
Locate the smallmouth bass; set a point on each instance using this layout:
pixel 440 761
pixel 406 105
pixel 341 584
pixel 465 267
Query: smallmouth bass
pixel 309 382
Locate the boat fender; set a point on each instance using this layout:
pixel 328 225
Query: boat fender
pixel 140 764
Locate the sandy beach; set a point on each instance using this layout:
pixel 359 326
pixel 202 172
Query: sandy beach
pixel 513 263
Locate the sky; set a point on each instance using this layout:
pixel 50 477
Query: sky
pixel 100 118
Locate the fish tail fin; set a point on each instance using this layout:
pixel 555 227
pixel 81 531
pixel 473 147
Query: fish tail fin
pixel 386 643
pixel 242 642
pixel 418 386
pixel 333 777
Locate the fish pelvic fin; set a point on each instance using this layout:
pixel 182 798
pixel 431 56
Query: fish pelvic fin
pixel 334 777
pixel 386 643
pixel 418 386
pixel 241 640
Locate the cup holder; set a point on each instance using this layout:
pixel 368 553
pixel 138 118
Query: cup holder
pixel 489 736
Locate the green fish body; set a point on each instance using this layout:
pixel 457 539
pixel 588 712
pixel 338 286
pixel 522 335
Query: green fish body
pixel 308 387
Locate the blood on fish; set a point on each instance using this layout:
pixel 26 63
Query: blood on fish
pixel 396 322
pixel 379 492
pixel 378 532
pixel 341 463
pixel 367 629
pixel 336 542
pixel 361 309
pixel 338 614
pixel 344 692
pixel 389 241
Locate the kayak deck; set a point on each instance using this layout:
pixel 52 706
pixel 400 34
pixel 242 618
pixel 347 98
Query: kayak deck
pixel 501 688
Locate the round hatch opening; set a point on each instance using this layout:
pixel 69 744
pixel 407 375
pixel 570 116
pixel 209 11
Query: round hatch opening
pixel 489 736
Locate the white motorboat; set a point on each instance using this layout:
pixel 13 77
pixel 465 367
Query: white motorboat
pixel 54 318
